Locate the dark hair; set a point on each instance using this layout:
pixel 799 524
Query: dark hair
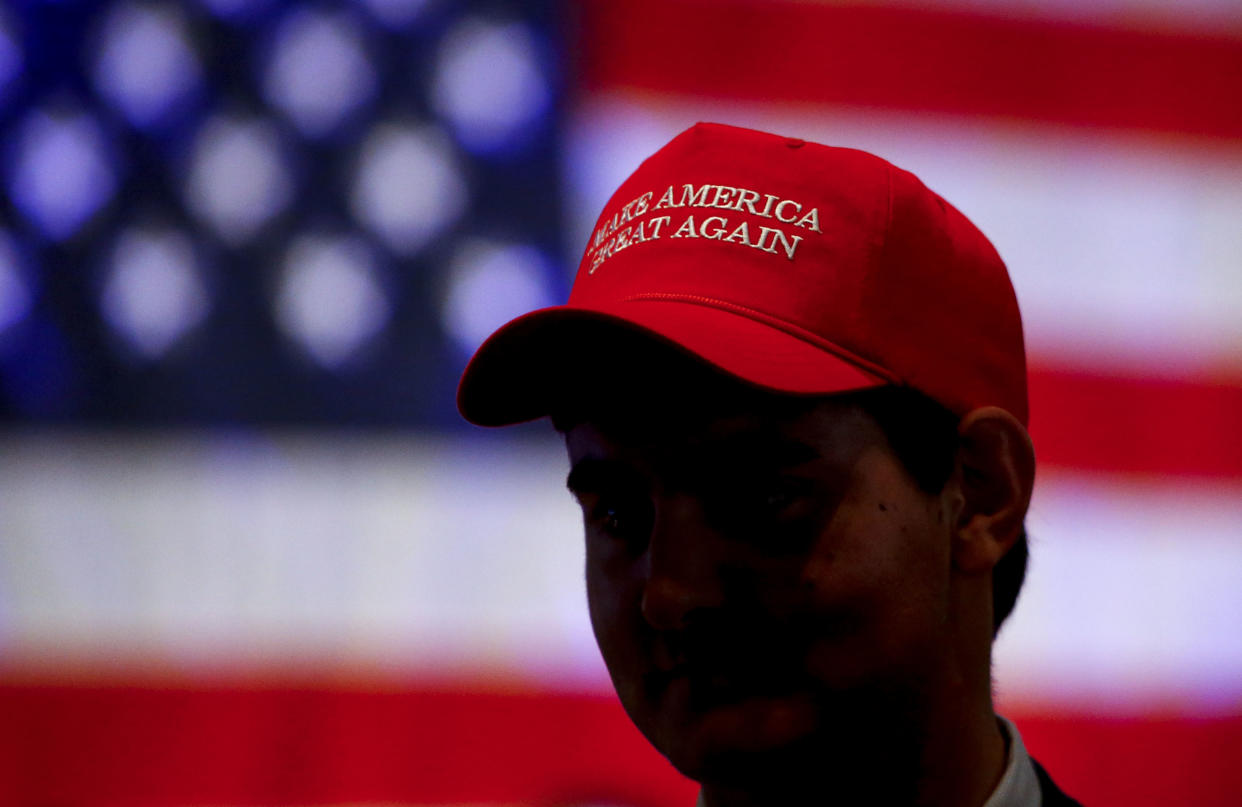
pixel 923 435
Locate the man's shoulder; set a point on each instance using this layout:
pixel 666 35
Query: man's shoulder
pixel 1053 796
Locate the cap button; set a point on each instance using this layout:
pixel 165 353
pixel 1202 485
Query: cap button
pixel 795 143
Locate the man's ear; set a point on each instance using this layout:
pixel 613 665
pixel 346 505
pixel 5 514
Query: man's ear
pixel 996 469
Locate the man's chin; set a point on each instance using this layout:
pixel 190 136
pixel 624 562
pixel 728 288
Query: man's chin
pixel 749 736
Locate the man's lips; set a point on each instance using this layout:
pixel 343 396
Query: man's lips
pixel 710 684
pixel 727 661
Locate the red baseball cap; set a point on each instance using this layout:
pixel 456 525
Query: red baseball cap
pixel 790 265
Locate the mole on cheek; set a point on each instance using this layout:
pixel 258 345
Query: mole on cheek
pixel 883 507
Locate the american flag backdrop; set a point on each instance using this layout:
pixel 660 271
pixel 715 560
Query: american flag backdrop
pixel 249 555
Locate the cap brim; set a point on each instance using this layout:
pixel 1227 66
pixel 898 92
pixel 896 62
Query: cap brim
pixel 521 371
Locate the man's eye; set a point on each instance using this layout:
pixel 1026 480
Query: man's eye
pixel 775 495
pixel 610 520
pixel 773 500
pixel 777 499
pixel 621 519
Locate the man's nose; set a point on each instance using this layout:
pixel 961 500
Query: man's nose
pixel 684 564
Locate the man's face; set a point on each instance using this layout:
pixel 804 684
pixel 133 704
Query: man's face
pixel 765 580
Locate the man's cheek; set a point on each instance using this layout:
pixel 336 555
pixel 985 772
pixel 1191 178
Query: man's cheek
pixel 619 634
pixel 615 610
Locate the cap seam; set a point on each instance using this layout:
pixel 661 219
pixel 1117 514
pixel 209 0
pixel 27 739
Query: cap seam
pixel 790 328
pixel 888 222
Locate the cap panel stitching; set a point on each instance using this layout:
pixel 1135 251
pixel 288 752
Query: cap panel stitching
pixel 773 321
pixel 888 223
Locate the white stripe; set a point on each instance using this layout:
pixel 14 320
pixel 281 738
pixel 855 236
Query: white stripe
pixel 1134 596
pixel 421 555
pixel 410 554
pixel 1126 253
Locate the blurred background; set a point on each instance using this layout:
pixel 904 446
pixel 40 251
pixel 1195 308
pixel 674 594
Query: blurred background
pixel 249 555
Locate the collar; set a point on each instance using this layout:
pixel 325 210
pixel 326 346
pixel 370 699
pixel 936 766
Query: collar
pixel 1018 785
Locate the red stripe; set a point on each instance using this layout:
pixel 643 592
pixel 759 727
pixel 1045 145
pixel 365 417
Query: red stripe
pixel 1190 427
pixel 264 746
pixel 1120 761
pixel 918 60
pixel 252 745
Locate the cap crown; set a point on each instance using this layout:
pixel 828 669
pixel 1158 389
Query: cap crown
pixel 832 245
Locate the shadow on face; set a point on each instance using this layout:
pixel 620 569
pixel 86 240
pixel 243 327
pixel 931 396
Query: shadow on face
pixel 765 578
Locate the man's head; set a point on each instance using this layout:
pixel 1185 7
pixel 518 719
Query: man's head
pixel 792 384
pixel 776 578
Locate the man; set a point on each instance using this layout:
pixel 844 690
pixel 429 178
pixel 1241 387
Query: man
pixel 792 384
